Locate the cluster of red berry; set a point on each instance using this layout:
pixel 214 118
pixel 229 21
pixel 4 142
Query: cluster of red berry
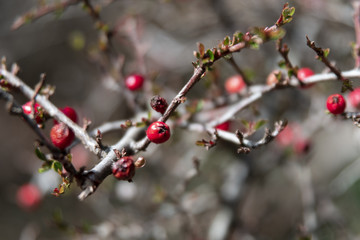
pixel 60 134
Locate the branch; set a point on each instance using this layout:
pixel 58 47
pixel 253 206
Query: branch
pixel 98 173
pixel 322 55
pixel 42 11
pixel 246 144
pixel 53 111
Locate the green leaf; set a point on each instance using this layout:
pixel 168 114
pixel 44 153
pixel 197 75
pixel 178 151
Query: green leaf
pixel 254 45
pixel 56 166
pixel 259 32
pixel 347 85
pixel 259 124
pixel 287 14
pixel 128 123
pixel 199 106
pixel 245 123
pixel 291 72
pixel 326 52
pixel 239 36
pixel 140 124
pixel 69 157
pixel 277 34
pixel 45 167
pixel 226 41
pixel 200 143
pixel 228 56
pixel 77 40
pixel 249 74
pixel 211 55
pixel 282 64
pixel 40 155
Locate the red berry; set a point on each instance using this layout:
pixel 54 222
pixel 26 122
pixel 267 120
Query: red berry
pixel 28 196
pixel 61 135
pixel 38 113
pixel 286 136
pixel 124 168
pixel 70 113
pixel 354 98
pixel 302 146
pixel 223 126
pixel 158 132
pixel 159 104
pixel 134 82
pixel 234 84
pixel 336 104
pixel 304 73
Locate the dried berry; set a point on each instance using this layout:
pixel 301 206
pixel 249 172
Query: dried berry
pixel 159 104
pixel 124 168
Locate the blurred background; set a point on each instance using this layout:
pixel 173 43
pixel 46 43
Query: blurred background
pixel 307 186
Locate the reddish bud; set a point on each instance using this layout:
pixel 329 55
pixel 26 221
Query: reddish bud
pixel 223 126
pixel 271 78
pixel 140 162
pixel 234 84
pixel 70 113
pixel 336 104
pixel 354 98
pixel 61 135
pixel 158 132
pixel 134 82
pixel 124 168
pixel 159 104
pixel 38 113
pixel 304 73
pixel 28 196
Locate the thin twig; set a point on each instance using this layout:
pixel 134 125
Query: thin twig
pixel 34 14
pixel 356 18
pixel 239 70
pixel 322 56
pixel 284 52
